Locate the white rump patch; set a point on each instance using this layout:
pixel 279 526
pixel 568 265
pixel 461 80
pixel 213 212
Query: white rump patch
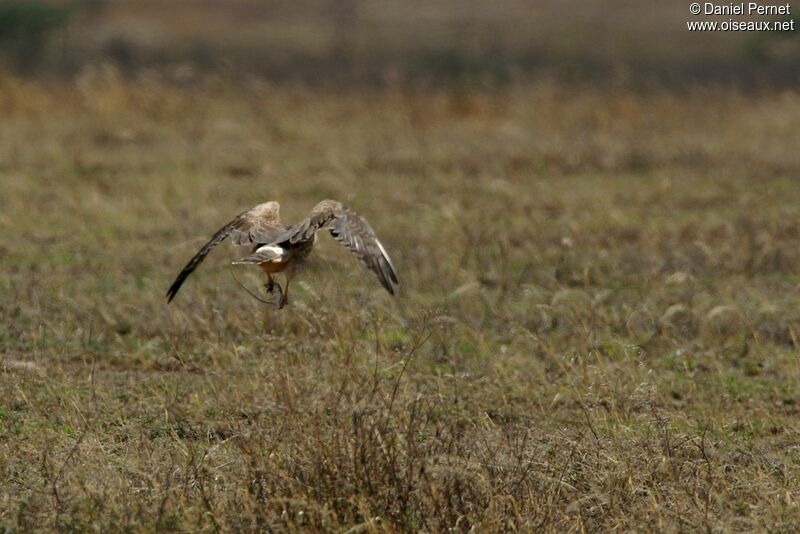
pixel 274 249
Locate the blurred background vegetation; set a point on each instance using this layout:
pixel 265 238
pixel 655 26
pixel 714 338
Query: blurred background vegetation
pixel 383 42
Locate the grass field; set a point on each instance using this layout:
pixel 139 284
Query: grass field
pixel 596 326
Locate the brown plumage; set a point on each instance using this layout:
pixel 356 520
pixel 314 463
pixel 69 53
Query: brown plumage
pixel 277 248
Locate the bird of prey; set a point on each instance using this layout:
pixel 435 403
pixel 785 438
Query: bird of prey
pixel 280 249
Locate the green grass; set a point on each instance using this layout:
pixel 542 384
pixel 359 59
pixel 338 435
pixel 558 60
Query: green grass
pixel 527 376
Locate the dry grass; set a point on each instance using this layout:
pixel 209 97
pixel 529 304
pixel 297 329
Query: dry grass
pixel 597 323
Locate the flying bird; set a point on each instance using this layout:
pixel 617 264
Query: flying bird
pixel 280 249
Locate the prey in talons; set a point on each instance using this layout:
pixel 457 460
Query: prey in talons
pixel 273 288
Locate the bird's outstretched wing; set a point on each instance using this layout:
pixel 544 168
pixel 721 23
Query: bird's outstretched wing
pixel 260 224
pixel 350 229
